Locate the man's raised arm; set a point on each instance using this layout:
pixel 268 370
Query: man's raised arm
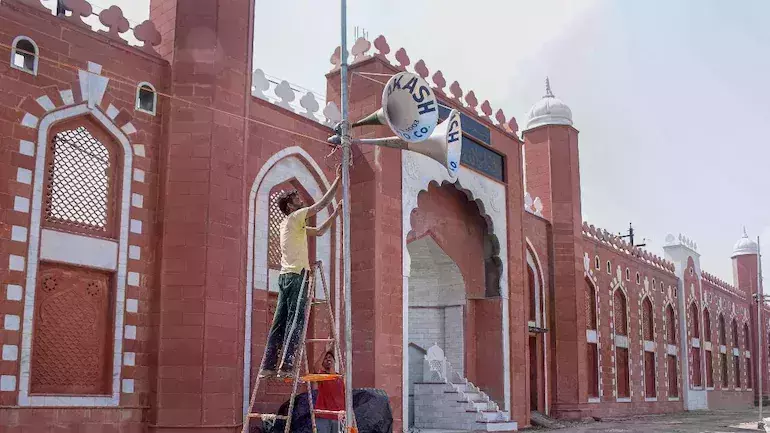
pixel 327 198
pixel 320 230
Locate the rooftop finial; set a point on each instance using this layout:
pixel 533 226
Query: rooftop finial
pixel 745 235
pixel 548 93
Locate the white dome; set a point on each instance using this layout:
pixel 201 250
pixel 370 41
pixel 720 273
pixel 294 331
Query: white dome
pixel 745 246
pixel 549 111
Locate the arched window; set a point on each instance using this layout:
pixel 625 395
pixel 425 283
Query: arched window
pixel 647 320
pixel 590 306
pixel 532 295
pixel 81 187
pixel 25 55
pixel 694 322
pixel 597 263
pixel 707 352
pixel 592 360
pixel 694 351
pixel 621 322
pixel 622 361
pixel 638 278
pixel 609 267
pixel 535 286
pixel 722 331
pixel 706 325
pixel 736 342
pixel 628 274
pixel 146 98
pixel 82 212
pixel 670 325
pixel 648 332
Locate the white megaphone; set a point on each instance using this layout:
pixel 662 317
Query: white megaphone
pixel 410 109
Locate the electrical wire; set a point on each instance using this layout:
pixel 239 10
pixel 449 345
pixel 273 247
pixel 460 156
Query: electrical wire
pixel 124 80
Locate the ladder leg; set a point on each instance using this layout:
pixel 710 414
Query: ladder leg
pixel 310 396
pixel 337 349
pixel 253 398
pixel 297 365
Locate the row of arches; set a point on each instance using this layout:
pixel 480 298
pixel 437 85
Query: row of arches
pixel 703 350
pixel 621 335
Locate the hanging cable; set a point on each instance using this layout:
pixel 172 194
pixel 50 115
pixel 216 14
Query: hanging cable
pixel 124 80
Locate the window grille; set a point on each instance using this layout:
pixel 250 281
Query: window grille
pixel 78 170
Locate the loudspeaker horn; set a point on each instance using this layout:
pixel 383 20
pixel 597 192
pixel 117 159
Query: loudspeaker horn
pixel 409 108
pixel 445 145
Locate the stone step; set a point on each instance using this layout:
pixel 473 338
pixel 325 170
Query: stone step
pixel 506 426
pixel 475 396
pixel 492 415
pixel 482 405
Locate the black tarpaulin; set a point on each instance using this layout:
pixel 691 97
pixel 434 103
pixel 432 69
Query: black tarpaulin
pixel 371 406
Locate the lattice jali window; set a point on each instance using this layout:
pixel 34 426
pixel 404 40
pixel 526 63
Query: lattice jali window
pixel 72 340
pixel 275 217
pixel 79 193
pixel 621 322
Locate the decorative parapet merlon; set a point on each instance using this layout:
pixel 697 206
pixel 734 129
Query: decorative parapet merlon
pixel 400 61
pixel 622 246
pixel 682 240
pixel 82 13
pixel 533 206
pixel 284 94
pixel 724 285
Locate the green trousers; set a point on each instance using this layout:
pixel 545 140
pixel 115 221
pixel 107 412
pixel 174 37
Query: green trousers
pixel 288 321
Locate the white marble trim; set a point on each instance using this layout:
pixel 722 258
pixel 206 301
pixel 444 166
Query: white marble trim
pixel 284 165
pixel 32 258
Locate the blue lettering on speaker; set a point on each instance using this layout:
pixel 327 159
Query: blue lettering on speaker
pixel 422 93
pixel 410 85
pixel 426 107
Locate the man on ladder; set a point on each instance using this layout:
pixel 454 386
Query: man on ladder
pixel 295 264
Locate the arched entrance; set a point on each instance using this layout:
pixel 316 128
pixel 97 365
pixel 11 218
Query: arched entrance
pixel 454 296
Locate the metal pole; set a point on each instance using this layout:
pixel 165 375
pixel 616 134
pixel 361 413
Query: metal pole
pixel 760 301
pixel 346 217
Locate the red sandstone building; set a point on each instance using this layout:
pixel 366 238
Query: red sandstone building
pixel 138 260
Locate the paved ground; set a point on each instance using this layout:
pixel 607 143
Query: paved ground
pixel 687 422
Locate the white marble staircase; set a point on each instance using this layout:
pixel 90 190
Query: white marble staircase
pixel 446 400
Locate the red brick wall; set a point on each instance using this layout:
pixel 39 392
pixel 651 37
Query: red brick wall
pixel 608 405
pixel 71 46
pixel 553 175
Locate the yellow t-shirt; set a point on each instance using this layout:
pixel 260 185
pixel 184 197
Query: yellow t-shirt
pixel 294 254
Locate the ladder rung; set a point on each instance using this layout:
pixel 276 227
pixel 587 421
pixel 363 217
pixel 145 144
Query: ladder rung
pixel 319 340
pixel 320 377
pixel 329 412
pixel 320 301
pixel 267 415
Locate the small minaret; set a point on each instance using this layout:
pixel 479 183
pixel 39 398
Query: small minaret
pixel 745 270
pixel 553 174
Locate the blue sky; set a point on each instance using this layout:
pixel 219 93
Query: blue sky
pixel 670 97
